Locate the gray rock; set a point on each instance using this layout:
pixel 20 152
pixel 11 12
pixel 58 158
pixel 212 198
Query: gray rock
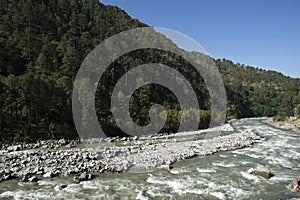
pixel 294 186
pixel 8 177
pixel 48 175
pixel 84 177
pixel 14 148
pixel 70 145
pixel 33 179
pixel 135 138
pixel 62 186
pixel 263 173
pixel 62 142
pixel 90 176
pixel 24 179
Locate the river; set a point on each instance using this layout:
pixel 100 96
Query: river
pixel 224 175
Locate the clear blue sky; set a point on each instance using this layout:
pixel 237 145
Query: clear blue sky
pixel 259 33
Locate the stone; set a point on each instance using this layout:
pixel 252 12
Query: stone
pixel 142 154
pixel 62 142
pixel 8 177
pixel 48 175
pixel 39 172
pixel 62 186
pixel 83 177
pixel 33 179
pixel 262 173
pixel 165 167
pixel 90 176
pixel 135 138
pixel 70 146
pixel 24 179
pixel 294 186
pixel 14 148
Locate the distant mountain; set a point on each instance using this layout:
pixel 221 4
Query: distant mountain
pixel 43 43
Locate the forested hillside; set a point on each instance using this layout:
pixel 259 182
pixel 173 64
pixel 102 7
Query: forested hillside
pixel 43 43
pixel 254 92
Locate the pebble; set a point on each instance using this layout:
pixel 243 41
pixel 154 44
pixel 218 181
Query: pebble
pixel 33 179
pixel 144 153
pixel 48 175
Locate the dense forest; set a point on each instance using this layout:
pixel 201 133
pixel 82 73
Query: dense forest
pixel 43 43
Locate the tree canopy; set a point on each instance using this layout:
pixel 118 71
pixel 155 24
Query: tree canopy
pixel 43 43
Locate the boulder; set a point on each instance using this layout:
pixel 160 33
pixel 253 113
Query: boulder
pixel 33 179
pixel 8 177
pixel 48 175
pixel 84 177
pixel 62 186
pixel 62 142
pixel 135 138
pixel 14 148
pixel 294 186
pixel 165 167
pixel 24 179
pixel 262 173
pixel 98 156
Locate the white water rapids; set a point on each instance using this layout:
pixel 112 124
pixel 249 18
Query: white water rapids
pixel 224 175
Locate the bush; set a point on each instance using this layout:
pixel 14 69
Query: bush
pixel 279 118
pixel 21 137
pixel 297 111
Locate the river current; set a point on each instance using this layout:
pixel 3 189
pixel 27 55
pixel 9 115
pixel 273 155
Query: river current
pixel 224 175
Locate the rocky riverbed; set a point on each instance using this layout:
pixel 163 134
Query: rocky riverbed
pixel 262 171
pixel 47 159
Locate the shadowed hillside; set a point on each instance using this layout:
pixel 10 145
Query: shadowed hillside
pixel 43 43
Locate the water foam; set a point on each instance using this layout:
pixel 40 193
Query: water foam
pixel 222 164
pixel 205 170
pixel 250 176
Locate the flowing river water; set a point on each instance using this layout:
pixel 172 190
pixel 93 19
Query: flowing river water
pixel 224 175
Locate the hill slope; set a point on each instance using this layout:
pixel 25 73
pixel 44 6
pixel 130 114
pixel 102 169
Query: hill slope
pixel 42 44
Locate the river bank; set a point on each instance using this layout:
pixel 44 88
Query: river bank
pixel 48 159
pixel 290 124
